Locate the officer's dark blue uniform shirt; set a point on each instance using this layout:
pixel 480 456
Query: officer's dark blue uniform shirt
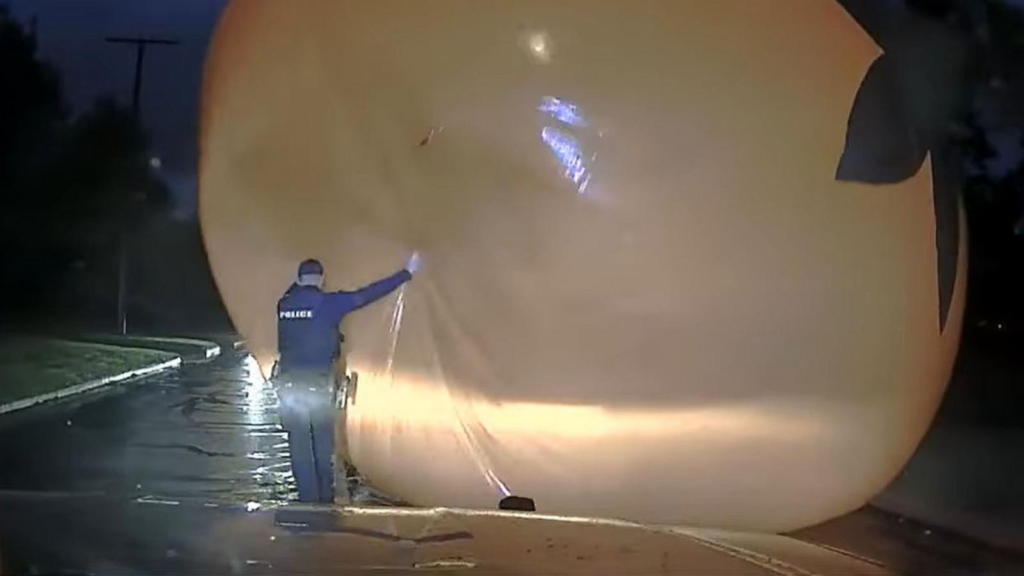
pixel 308 321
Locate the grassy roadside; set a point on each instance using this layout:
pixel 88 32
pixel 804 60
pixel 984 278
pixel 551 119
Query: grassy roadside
pixel 33 366
pixel 190 349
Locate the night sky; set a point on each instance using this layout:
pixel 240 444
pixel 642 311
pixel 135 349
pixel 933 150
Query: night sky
pixel 72 33
pixel 72 36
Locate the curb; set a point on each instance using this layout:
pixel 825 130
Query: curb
pixel 87 386
pixel 211 350
pixel 191 350
pixel 211 353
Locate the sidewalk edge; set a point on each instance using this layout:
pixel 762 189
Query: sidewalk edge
pixel 91 385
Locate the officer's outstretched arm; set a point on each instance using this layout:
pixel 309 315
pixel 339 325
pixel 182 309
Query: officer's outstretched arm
pixel 370 294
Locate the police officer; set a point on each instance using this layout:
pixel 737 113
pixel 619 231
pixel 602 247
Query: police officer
pixel 309 343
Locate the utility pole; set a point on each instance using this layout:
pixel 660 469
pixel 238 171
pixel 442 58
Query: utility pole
pixel 122 267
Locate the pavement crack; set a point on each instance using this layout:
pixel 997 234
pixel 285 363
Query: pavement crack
pixel 188 406
pixel 189 448
pixel 213 399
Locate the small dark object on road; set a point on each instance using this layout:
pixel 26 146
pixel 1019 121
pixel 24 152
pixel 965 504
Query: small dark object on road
pixel 519 503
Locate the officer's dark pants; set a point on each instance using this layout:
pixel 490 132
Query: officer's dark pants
pixel 306 408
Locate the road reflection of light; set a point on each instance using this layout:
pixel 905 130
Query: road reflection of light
pixel 253 374
pixel 277 474
pixel 266 455
pixel 268 469
pixel 158 501
pixel 259 395
pixel 273 477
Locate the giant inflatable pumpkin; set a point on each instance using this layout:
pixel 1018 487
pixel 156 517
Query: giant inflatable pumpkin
pixel 661 280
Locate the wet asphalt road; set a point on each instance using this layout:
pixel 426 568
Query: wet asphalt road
pixel 148 469
pixel 206 432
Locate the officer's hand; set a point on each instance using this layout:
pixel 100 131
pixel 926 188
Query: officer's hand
pixel 413 265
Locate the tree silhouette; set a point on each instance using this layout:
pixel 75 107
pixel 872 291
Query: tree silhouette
pixel 30 104
pixel 68 189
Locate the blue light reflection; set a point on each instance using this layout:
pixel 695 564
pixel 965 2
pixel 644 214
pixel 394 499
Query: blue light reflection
pixel 567 151
pixel 565 112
